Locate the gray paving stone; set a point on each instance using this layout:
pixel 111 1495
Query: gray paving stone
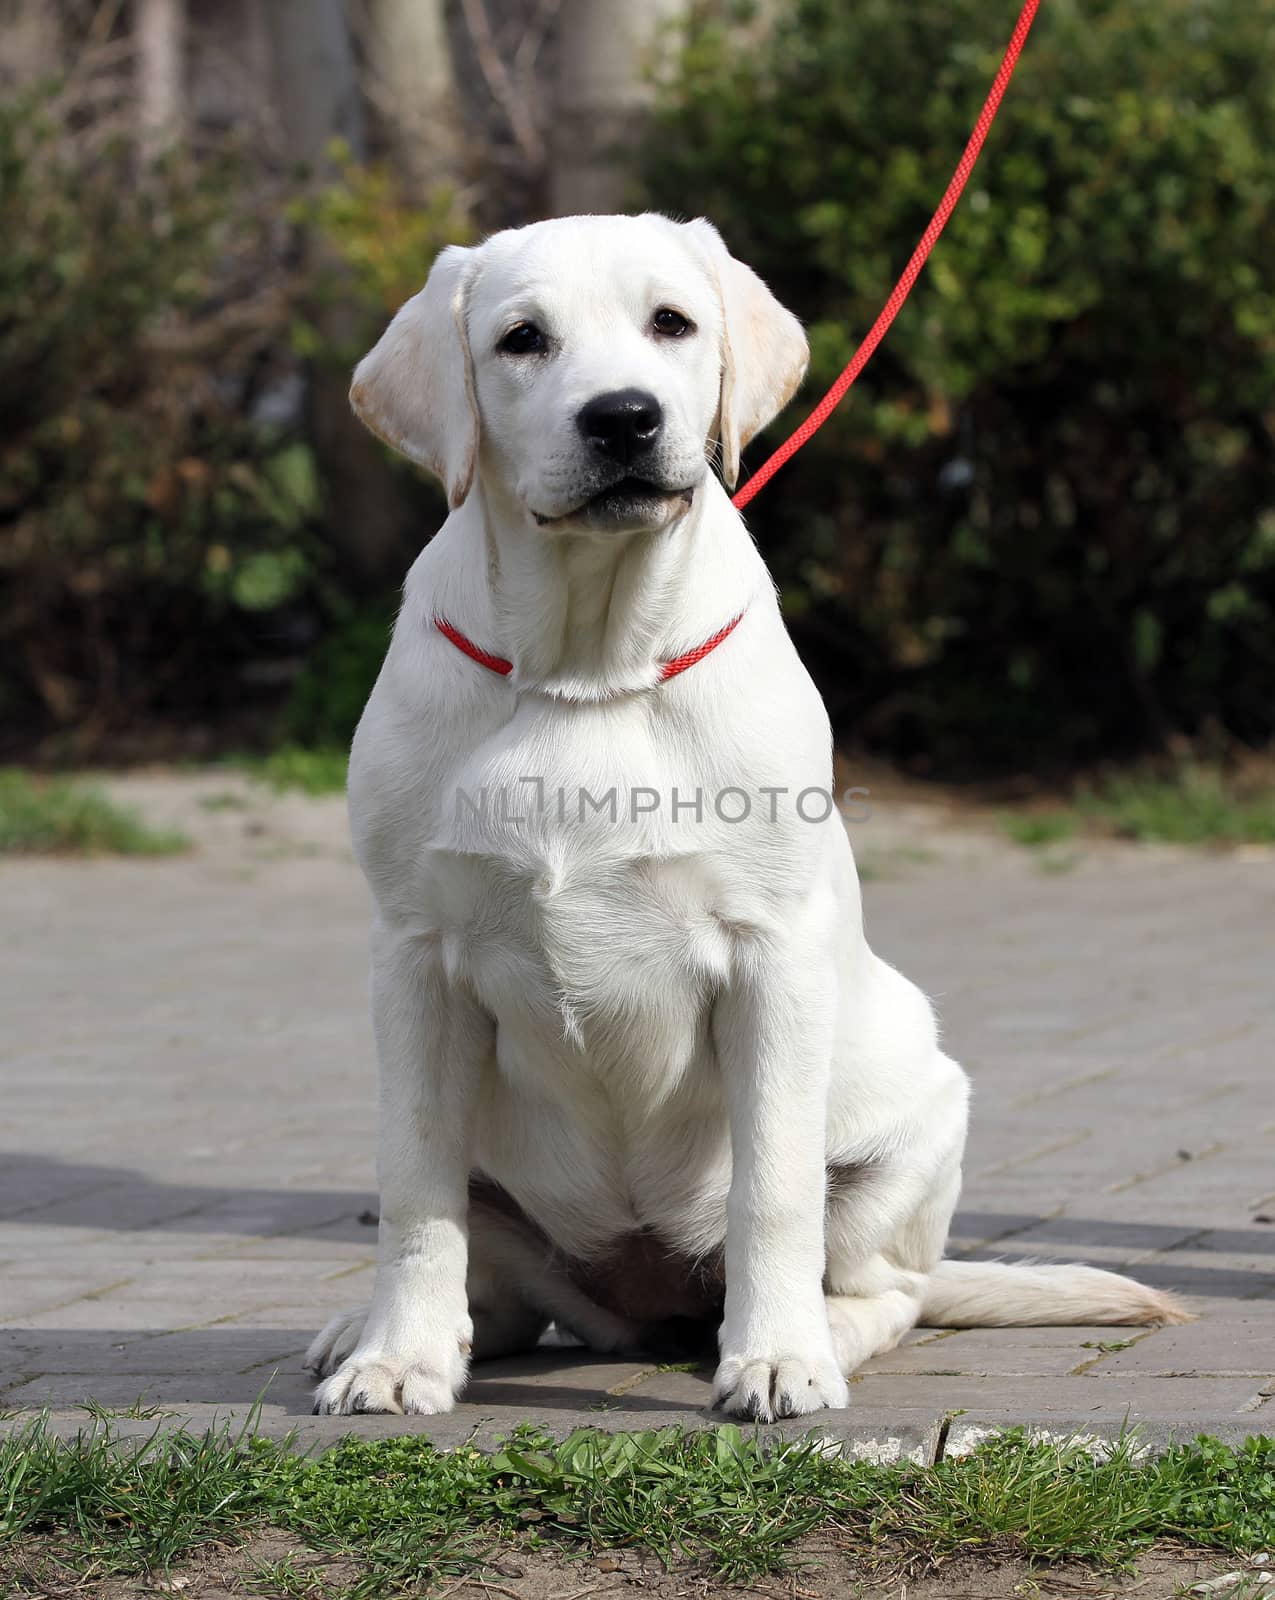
pixel 109 1352
pixel 1228 1341
pixel 178 1391
pixel 1161 1398
pixel 1004 1352
pixel 188 1156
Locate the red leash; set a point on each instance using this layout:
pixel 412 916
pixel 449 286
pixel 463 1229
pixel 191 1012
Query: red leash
pixel 911 272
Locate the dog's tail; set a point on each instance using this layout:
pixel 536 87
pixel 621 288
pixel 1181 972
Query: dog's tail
pixel 1000 1294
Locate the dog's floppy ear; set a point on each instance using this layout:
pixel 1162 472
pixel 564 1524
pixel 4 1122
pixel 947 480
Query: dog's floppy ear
pixel 415 387
pixel 764 350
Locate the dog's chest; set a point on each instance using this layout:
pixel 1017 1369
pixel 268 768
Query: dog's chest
pixel 601 974
pixel 583 909
pixel 609 964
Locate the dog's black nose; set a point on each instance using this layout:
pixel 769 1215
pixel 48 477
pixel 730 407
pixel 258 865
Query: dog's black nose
pixel 621 424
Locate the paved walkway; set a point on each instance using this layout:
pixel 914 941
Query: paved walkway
pixel 186 1156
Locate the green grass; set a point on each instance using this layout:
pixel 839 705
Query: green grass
pixel 315 771
pixel 1035 829
pixel 59 817
pixel 406 1514
pixel 226 800
pixel 876 865
pixel 1197 805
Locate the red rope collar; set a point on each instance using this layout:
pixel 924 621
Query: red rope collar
pixel 484 658
pixel 668 669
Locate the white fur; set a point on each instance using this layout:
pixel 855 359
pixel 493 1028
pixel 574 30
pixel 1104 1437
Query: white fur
pixel 666 1020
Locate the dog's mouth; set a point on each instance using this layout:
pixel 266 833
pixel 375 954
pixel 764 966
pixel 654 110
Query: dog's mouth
pixel 628 499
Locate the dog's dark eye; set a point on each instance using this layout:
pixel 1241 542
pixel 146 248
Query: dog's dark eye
pixel 672 324
pixel 524 340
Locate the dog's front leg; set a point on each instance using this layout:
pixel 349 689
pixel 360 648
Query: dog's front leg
pixel 432 1043
pixel 773 1036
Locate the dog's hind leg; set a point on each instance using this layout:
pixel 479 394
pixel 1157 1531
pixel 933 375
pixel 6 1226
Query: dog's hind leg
pixel 891 1195
pixel 518 1284
pixel 875 1295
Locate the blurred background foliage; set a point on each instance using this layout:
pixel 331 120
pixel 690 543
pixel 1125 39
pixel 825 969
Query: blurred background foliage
pixel 1042 529
pixel 166 551
pixel 1041 532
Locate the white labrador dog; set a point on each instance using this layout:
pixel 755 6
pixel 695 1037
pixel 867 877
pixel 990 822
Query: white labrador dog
pixel 639 1070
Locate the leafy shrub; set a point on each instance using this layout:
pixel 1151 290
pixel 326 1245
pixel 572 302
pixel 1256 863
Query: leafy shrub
pixel 329 694
pixel 1042 529
pixel 384 242
pixel 150 513
pixel 165 547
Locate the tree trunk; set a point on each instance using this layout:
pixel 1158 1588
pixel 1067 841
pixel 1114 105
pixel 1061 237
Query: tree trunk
pixel 316 94
pixel 159 32
pixel 411 87
pixel 606 49
pixel 317 100
pixel 31 43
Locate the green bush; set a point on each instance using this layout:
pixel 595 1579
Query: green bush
pixel 165 547
pixel 1042 529
pixel 382 242
pixel 329 694
pixel 148 520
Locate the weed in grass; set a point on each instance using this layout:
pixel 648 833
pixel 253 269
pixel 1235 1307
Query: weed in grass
pixel 717 1497
pixel 403 1510
pixel 139 1411
pixel 58 817
pixel 294 1576
pixel 314 771
pixel 1035 829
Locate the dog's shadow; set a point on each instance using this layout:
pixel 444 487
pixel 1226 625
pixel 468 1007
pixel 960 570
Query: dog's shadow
pixel 574 1380
pixel 127 1371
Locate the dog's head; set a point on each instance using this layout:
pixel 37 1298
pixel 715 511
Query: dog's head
pixel 588 363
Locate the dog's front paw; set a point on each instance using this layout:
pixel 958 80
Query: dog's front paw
pixel 763 1388
pixel 339 1339
pixel 368 1381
